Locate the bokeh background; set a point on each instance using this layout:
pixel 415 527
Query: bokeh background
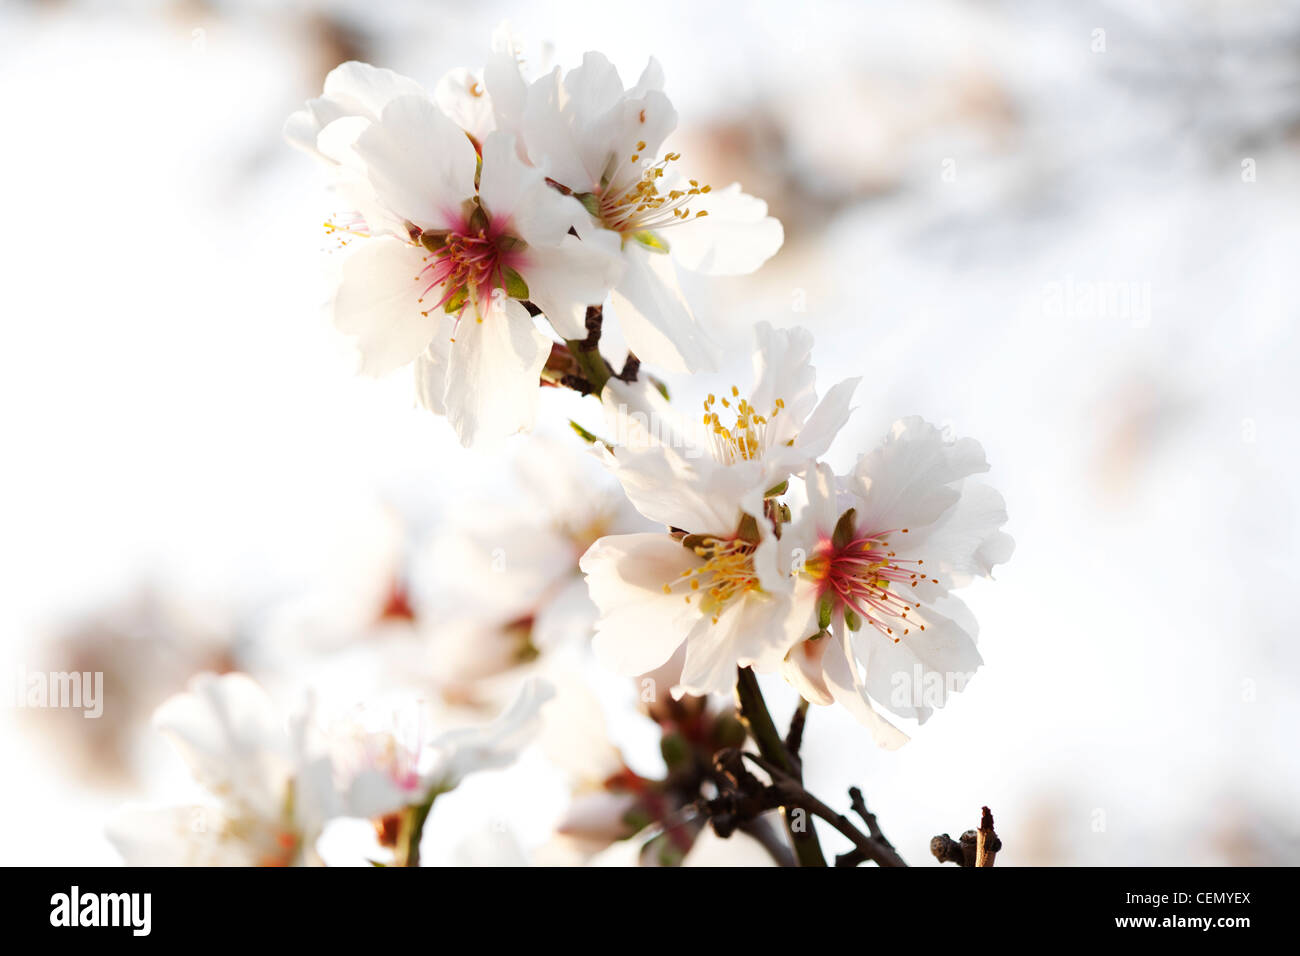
pixel 1068 230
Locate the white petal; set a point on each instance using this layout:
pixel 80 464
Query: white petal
pixel 516 196
pixel 830 415
pixel 631 135
pixel 564 279
pixel 640 626
pixel 652 78
pixel 711 658
pixel 840 675
pixel 231 737
pixel 470 749
pixel 175 836
pixel 350 180
pixel 783 370
pixel 803 670
pixel 966 541
pixel 735 238
pixel 684 490
pixel 360 89
pixel 506 87
pixel 352 89
pixel 567 617
pixel 822 510
pixel 654 315
pixel 909 480
pixel 915 675
pixel 550 136
pixel 378 304
pixel 594 87
pixel 461 94
pixel 420 163
pixel 373 793
pixel 494 370
pixel 431 366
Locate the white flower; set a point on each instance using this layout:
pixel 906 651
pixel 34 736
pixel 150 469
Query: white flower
pixel 272 796
pixel 506 589
pixel 672 466
pixel 714 581
pixel 392 769
pixel 448 248
pixel 879 553
pixel 604 144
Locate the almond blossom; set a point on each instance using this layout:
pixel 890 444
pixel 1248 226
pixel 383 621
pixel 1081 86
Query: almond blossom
pixel 604 144
pixel 393 766
pixel 450 238
pixel 713 581
pixel 272 793
pixel 879 553
pixel 504 576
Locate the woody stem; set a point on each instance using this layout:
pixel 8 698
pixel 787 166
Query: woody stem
pixel 758 721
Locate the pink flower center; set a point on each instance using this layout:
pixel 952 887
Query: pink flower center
pixel 468 264
pixel 867 577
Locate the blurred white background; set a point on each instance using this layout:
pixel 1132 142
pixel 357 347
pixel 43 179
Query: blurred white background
pixel 1069 231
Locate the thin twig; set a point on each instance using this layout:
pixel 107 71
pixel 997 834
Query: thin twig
pixel 987 841
pixel 974 847
pixel 880 852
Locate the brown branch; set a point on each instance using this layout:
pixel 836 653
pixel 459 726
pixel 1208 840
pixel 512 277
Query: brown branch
pixel 792 793
pixel 947 850
pixel 631 366
pixel 753 713
pixel 794 736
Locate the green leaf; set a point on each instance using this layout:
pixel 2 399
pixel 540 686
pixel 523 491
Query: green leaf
pixel 651 241
pixel 851 620
pixel 589 202
pixel 516 287
pixel 661 388
pixel 846 529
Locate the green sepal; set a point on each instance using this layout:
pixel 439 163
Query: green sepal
pixel 433 241
pixel 478 219
pixel 516 287
pixel 585 435
pixel 456 302
pixel 777 489
pixel 846 529
pixel 824 609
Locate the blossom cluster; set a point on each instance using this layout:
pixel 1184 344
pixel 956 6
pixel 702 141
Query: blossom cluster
pixel 494 227
pixel 497 198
